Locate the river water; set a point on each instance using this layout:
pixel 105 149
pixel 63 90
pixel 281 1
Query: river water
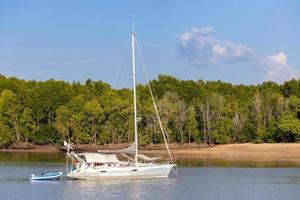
pixel 198 178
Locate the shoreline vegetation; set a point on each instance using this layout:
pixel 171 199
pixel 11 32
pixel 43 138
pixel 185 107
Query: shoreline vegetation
pixel 192 112
pixel 266 152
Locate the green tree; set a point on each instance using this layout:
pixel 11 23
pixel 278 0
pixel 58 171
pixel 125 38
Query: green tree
pixel 9 112
pixel 192 125
pixel 27 125
pixel 62 121
pixel 6 135
pixel 290 126
pixel 46 134
pixel 94 116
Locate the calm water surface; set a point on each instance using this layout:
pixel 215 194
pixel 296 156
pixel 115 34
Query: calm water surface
pixel 198 178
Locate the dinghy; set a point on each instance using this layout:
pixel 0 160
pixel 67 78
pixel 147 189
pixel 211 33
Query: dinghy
pixel 46 177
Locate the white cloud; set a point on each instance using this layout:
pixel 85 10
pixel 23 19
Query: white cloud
pixel 280 58
pixel 278 69
pixel 200 47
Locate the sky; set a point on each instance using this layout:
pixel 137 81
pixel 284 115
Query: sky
pixel 241 42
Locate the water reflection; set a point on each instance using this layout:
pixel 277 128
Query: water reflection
pixel 131 189
pixel 27 158
pixel 206 161
pixel 41 159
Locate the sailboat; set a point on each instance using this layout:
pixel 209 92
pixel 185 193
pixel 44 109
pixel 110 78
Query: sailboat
pixel 105 164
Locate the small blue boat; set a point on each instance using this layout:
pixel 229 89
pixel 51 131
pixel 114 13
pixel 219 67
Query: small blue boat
pixel 46 177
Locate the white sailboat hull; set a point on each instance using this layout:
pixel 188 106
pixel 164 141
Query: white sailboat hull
pixel 128 172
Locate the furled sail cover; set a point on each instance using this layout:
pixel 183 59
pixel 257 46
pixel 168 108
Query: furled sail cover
pixel 100 158
pixel 128 150
pixel 146 158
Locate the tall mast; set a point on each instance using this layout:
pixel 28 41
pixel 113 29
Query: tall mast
pixel 134 95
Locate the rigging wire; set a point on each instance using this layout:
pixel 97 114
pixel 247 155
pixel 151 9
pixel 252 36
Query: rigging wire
pixel 117 75
pixel 164 133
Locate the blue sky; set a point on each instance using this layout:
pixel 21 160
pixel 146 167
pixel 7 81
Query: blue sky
pixel 235 41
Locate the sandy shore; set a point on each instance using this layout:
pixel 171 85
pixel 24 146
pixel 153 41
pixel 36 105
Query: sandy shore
pixel 248 151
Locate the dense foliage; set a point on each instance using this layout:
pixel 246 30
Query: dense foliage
pixel 40 112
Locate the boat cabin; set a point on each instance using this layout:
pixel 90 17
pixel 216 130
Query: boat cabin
pixel 98 159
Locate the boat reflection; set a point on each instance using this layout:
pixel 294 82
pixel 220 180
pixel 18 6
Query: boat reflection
pixel 130 189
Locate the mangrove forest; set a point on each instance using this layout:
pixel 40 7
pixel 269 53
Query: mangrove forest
pixel 209 112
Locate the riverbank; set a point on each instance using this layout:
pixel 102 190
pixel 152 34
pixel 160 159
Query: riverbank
pixel 93 147
pixel 33 148
pixel 281 152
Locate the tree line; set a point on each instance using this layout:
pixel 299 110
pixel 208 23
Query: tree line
pixel 211 112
